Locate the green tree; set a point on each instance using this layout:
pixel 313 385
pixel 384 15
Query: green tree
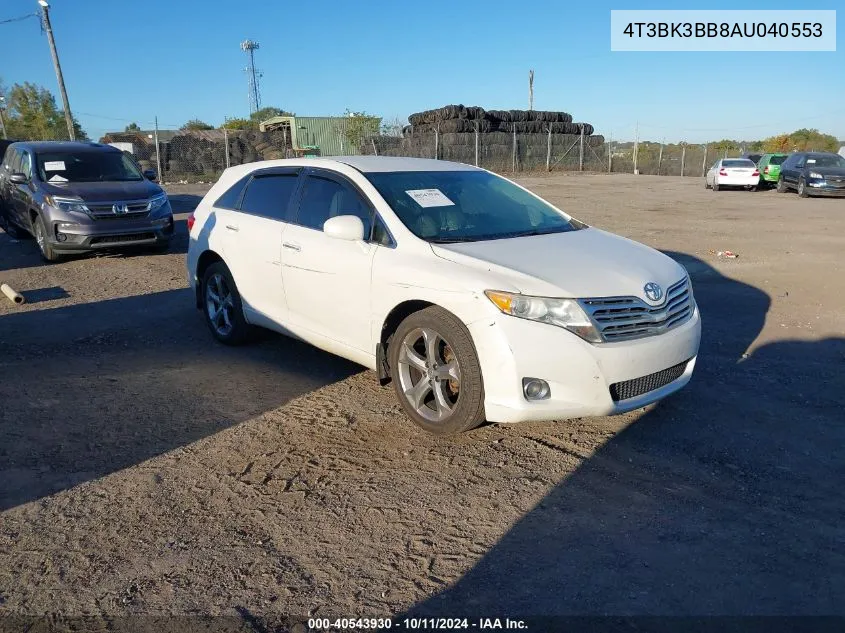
pixel 267 113
pixel 132 127
pixel 238 124
pixel 196 124
pixel 359 125
pixel 32 114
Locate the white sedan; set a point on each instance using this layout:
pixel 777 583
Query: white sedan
pixel 474 297
pixel 732 172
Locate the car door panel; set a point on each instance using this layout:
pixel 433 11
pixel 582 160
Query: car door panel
pixel 252 240
pixel 328 280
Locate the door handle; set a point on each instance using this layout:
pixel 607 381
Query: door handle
pixel 232 227
pixel 292 246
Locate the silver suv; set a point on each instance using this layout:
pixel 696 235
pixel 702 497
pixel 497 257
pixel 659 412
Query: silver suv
pixel 78 197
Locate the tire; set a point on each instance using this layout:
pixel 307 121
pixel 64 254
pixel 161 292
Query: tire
pixel 802 188
pixel 461 406
pixel 782 188
pixel 39 232
pixel 6 224
pixel 715 185
pixel 218 280
pixel 706 186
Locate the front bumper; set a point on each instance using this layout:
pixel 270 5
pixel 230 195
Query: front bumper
pixel 579 374
pixel 67 237
pixel 824 188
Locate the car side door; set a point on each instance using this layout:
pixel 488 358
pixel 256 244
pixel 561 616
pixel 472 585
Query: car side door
pixel 22 193
pixel 327 279
pixel 252 242
pixel 796 165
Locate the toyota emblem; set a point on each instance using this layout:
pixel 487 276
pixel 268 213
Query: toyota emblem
pixel 653 292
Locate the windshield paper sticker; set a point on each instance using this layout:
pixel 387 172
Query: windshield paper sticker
pixel 54 165
pixel 430 198
pixel 57 178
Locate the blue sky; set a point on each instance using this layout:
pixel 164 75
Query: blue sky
pixel 180 59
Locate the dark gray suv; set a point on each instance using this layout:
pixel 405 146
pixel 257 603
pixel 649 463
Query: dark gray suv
pixel 77 197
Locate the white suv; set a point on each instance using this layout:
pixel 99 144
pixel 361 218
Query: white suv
pixel 473 296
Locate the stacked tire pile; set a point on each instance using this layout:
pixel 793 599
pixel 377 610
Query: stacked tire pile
pixel 456 127
pixel 204 154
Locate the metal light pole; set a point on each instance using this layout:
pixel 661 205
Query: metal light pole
pixel 2 120
pixel 45 13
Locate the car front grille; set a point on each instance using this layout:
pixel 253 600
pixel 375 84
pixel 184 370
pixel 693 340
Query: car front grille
pixel 644 384
pixel 118 239
pixel 625 318
pixel 106 210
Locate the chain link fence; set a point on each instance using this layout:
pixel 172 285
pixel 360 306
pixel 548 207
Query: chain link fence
pixel 202 155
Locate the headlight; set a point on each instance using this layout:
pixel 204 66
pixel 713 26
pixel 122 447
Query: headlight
pixel 157 202
pixel 815 174
pixel 565 313
pixel 66 204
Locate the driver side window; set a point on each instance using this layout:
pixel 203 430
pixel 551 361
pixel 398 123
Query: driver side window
pixel 799 163
pixel 324 198
pixel 26 164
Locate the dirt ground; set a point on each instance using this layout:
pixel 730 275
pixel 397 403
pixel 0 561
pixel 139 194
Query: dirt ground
pixel 145 469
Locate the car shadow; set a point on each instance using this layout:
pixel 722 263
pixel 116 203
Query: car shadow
pixel 725 499
pixel 94 388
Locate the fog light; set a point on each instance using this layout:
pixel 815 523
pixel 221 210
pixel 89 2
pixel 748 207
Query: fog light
pixel 535 389
pixel 61 236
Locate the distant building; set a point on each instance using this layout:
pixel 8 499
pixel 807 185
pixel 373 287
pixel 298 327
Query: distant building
pixel 327 133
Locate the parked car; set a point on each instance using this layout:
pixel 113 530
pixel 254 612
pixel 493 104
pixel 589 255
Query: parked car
pixel 473 296
pixel 813 174
pixel 75 197
pixel 769 167
pixel 732 172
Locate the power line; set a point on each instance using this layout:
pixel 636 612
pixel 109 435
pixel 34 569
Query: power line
pixel 23 17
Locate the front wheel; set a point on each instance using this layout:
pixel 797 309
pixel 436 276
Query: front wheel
pixel 436 373
pixel 802 189
pixel 40 234
pixel 222 307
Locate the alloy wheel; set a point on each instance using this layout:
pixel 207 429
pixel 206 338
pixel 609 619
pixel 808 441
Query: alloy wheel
pixel 39 235
pixel 219 304
pixel 429 374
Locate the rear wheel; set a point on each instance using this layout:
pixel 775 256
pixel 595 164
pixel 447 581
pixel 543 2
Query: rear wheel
pixel 222 307
pixel 802 188
pixel 781 185
pixel 715 185
pixel 706 186
pixel 40 234
pixel 436 373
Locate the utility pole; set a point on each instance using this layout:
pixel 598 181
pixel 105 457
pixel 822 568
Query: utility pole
pixel 530 89
pixel 45 14
pixel 2 120
pixel 636 146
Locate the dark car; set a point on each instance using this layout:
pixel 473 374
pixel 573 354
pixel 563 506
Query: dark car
pixel 77 197
pixel 813 174
pixel 754 158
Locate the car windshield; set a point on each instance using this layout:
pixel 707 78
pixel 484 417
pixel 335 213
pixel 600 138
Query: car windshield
pixel 467 206
pixel 59 167
pixel 777 160
pixel 739 162
pixel 825 161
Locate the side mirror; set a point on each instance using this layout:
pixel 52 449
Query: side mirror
pixel 345 227
pixel 150 174
pixel 18 179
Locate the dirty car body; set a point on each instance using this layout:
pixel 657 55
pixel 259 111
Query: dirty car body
pixel 558 319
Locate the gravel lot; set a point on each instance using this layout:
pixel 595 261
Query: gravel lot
pixel 145 469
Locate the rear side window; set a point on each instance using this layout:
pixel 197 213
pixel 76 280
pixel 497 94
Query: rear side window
pixel 229 200
pixel 269 196
pixel 777 160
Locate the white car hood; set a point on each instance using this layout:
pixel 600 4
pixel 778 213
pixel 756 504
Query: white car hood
pixel 576 264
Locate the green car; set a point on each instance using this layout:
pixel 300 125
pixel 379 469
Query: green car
pixel 769 167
